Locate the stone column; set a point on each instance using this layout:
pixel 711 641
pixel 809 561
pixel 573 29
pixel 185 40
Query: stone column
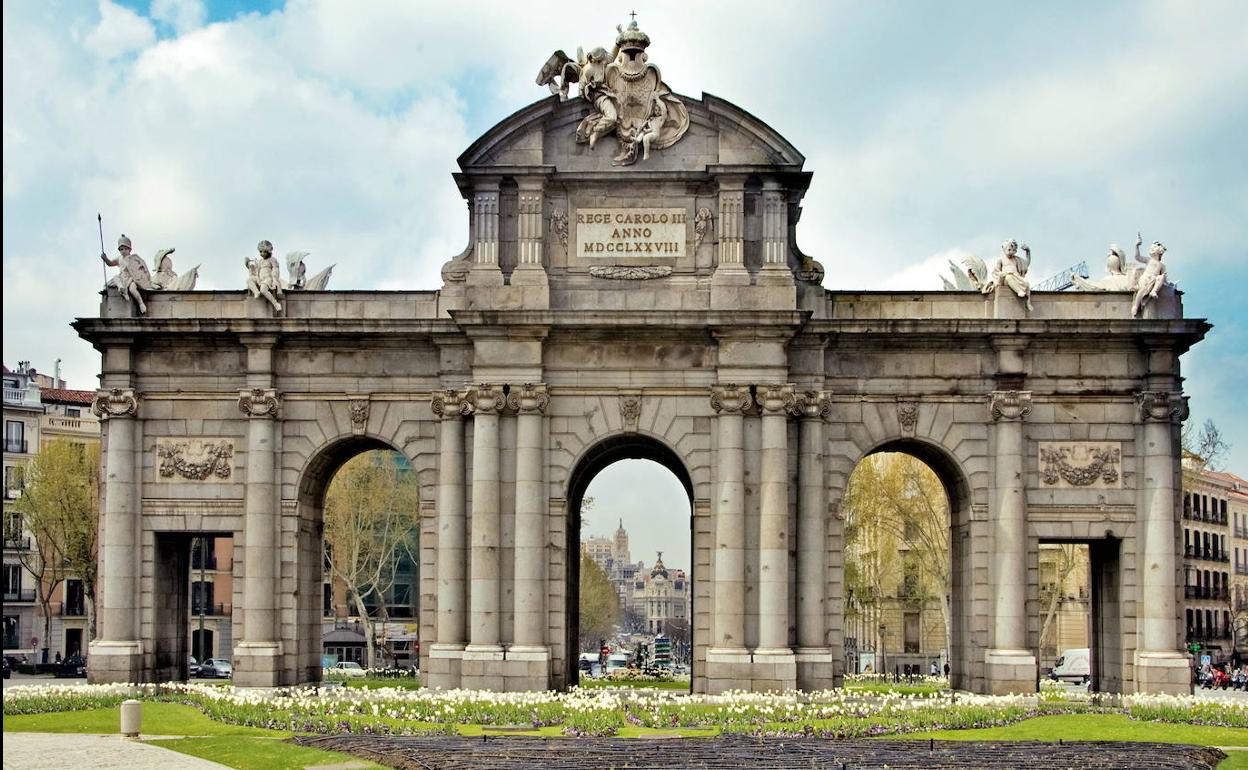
pixel 1011 665
pixel 530 563
pixel 116 656
pixel 776 403
pixel 257 656
pixel 487 401
pixel 451 406
pixel 1160 666
pixel 485 208
pixel 811 529
pixel 728 626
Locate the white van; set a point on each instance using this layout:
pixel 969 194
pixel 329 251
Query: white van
pixel 1073 665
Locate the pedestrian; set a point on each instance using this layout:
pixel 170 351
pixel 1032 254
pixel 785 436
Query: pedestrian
pixel 935 671
pixel 58 658
pixel 946 669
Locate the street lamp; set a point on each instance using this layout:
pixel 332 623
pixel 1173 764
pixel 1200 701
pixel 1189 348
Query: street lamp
pixel 880 650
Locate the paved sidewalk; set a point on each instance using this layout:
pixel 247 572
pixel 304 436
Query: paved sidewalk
pixel 55 751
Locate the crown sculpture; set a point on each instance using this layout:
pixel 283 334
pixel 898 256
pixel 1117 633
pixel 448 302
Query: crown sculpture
pixel 627 92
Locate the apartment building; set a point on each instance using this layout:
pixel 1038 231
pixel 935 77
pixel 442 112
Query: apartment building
pixel 1215 560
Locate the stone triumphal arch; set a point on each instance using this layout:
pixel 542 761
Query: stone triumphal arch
pixel 632 287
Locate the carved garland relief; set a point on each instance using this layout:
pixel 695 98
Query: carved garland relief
pixel 195 459
pixel 1089 464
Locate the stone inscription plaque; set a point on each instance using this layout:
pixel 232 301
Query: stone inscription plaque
pixel 631 232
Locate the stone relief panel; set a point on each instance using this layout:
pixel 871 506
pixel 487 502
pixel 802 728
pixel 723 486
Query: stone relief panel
pixel 195 459
pixel 1080 464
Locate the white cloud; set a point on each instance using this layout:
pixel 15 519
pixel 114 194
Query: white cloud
pixel 182 15
pixel 121 31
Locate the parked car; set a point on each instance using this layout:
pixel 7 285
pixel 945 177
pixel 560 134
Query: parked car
pixel 73 666
pixel 216 668
pixel 192 666
pixel 349 668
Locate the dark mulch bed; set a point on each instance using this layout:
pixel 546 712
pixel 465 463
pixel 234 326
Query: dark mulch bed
pixel 734 752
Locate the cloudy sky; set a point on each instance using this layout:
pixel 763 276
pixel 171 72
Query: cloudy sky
pixel 933 129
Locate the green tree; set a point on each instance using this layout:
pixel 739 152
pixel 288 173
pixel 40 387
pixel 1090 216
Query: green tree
pixel 896 515
pixel 371 508
pixel 599 604
pixel 60 509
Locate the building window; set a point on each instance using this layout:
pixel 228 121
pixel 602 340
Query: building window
pixel 12 637
pixel 911 623
pixel 201 598
pixel 73 412
pixel 12 580
pixel 327 599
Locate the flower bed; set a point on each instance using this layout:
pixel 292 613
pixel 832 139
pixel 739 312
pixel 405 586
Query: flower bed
pixel 833 713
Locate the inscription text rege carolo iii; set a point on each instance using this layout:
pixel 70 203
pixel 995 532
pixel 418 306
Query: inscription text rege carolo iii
pixel 633 231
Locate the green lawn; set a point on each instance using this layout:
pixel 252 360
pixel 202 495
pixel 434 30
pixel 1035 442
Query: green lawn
pixel 254 753
pixel 158 719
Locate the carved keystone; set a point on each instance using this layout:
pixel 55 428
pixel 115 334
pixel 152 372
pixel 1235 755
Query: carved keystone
pixel 907 416
pixel 630 411
pixel 358 408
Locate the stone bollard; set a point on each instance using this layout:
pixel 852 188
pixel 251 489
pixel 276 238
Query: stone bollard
pixel 131 718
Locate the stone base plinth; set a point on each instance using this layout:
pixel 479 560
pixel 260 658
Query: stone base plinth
pixel 758 671
pixel 1163 671
pixel 258 664
pixel 816 669
pixel 114 662
pixel 526 669
pixel 483 667
pixel 1010 671
pixel 534 296
pixel 443 667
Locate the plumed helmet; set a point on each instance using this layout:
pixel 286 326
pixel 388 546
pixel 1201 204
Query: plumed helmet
pixel 123 241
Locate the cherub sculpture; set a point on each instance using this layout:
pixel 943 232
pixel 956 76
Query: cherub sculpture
pixel 264 275
pixel 298 273
pixel 1010 271
pixel 133 278
pixel 1150 280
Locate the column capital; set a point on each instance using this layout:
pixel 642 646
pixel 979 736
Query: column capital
pixel 259 402
pixel 529 398
pixel 115 402
pixel 1161 406
pixel 731 399
pixel 451 404
pixel 1009 404
pixel 487 399
pixel 814 404
pixel 777 398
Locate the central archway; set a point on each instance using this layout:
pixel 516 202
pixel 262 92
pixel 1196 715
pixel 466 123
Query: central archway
pixel 596 458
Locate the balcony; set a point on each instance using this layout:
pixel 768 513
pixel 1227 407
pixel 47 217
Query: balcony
pixel 1207 636
pixel 212 610
pixel 15 445
pixel 68 609
pixel 55 423
pixel 22 397
pixel 19 595
pixel 16 543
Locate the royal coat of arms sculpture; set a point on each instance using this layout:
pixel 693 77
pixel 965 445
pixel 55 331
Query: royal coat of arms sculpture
pixel 627 92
